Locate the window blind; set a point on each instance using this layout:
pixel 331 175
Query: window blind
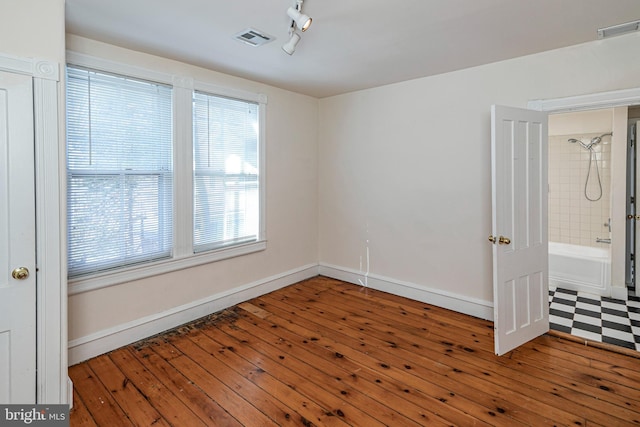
pixel 119 171
pixel 226 170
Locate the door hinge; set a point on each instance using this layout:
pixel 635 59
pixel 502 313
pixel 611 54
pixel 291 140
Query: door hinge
pixel 632 257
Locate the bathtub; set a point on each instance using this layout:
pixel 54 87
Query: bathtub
pixel 580 268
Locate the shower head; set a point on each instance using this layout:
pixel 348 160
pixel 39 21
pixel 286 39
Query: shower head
pixel 595 140
pixel 585 146
pixel 598 139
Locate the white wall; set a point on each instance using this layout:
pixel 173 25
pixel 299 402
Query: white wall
pixel 591 121
pixel 291 202
pixel 32 28
pixel 410 163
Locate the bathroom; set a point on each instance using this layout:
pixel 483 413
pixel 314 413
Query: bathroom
pixel 588 249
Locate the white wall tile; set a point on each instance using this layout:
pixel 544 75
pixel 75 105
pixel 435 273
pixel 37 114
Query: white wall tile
pixel 572 217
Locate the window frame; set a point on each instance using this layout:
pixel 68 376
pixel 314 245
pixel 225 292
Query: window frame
pixel 83 83
pixel 200 248
pixel 183 255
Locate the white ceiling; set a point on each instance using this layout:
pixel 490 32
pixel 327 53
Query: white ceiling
pixel 352 44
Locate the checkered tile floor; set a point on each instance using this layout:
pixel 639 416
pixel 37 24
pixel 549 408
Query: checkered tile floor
pixel 596 318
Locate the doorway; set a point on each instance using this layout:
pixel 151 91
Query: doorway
pixel 580 200
pixel 588 226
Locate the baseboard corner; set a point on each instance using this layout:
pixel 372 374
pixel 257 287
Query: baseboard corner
pixel 619 292
pixel 454 302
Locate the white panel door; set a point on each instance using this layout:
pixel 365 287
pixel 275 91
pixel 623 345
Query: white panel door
pixel 637 211
pixel 520 253
pixel 17 241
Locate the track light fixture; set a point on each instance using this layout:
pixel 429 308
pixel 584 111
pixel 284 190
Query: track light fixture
pixel 290 46
pixel 298 20
pixel 302 21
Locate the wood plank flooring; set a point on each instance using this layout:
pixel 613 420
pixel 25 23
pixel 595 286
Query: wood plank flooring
pixel 324 352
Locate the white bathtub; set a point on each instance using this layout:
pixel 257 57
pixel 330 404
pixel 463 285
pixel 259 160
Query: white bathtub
pixel 580 268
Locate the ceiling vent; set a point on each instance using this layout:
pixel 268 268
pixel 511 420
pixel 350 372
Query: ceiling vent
pixel 253 37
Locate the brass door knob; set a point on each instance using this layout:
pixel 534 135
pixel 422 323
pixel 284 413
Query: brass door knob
pixel 492 238
pixel 504 240
pixel 20 273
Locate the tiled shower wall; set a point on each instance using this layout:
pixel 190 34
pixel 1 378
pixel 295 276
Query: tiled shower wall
pixel 572 218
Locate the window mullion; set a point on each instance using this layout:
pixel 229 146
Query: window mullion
pixel 183 167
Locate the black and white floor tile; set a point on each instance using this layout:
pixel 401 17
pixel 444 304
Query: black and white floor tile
pixel 596 318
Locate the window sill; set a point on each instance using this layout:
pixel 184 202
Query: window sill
pixel 106 279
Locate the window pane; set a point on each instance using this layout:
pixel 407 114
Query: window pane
pixel 226 193
pixel 119 171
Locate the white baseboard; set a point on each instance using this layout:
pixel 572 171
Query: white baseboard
pixel 460 303
pixel 70 393
pixel 620 292
pixel 84 348
pixel 101 342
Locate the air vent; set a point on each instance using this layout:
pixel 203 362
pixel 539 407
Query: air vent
pixel 253 37
pixel 617 30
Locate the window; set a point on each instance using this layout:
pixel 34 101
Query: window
pixel 119 171
pixel 160 176
pixel 226 192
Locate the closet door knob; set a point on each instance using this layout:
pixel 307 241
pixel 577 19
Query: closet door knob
pixel 20 273
pixel 504 240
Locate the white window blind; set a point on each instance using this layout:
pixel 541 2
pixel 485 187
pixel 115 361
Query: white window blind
pixel 119 171
pixel 226 171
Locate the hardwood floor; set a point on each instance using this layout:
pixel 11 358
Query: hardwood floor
pixel 323 352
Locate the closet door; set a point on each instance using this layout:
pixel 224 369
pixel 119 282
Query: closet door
pixel 17 241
